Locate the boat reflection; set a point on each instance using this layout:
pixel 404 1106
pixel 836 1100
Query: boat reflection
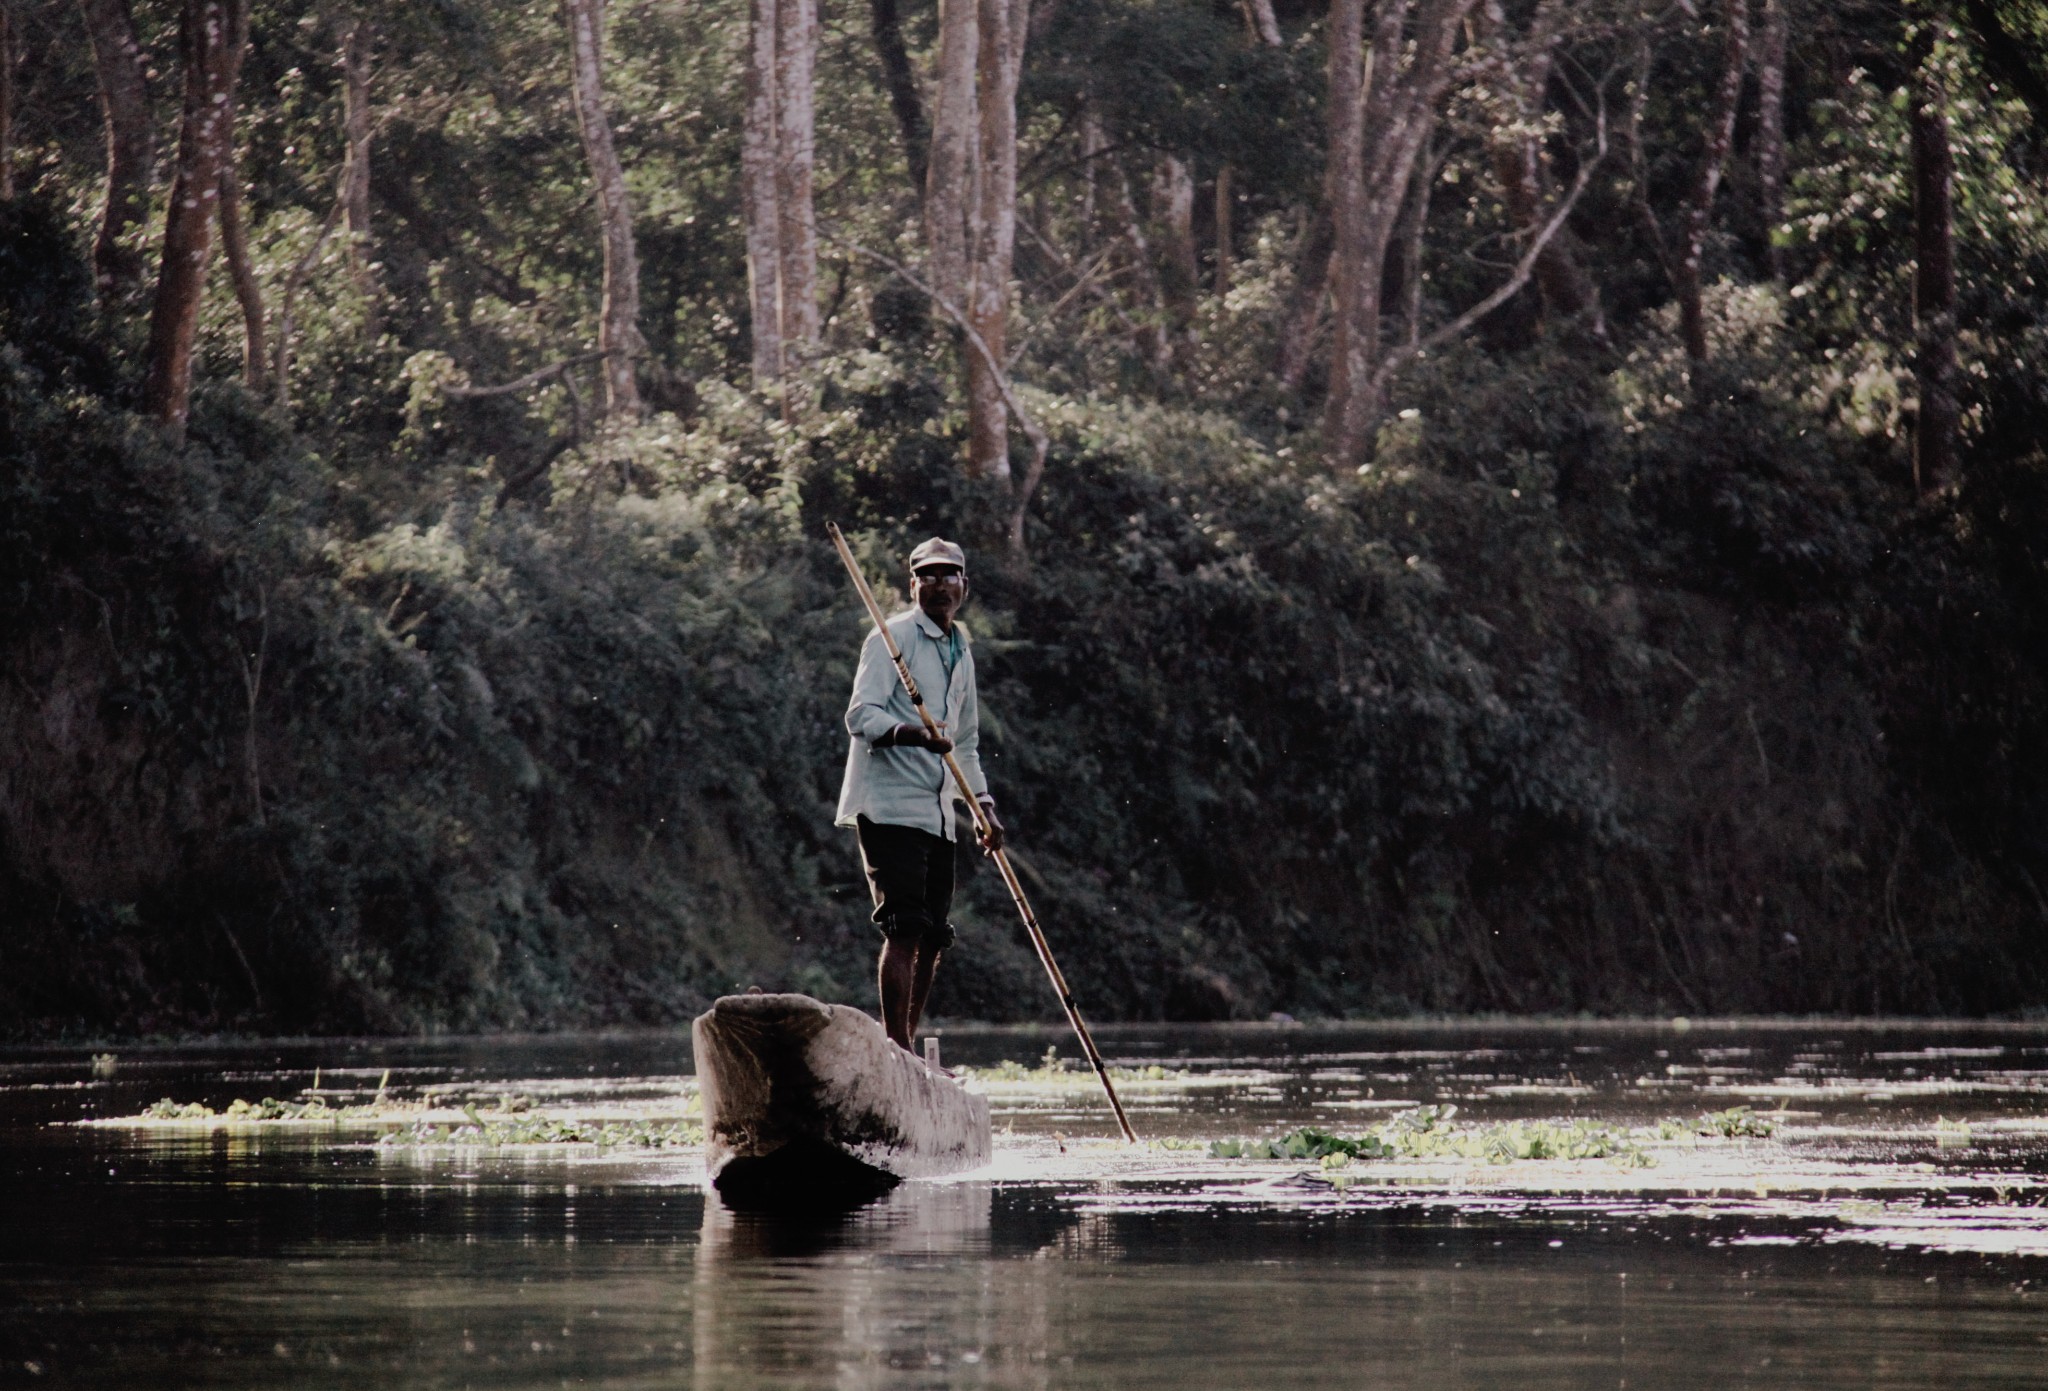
pixel 897 1293
pixel 915 1219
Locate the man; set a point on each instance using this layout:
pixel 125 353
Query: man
pixel 898 794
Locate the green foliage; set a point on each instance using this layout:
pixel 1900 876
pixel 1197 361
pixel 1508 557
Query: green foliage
pixel 1614 682
pixel 1736 1123
pixel 1057 1072
pixel 1051 1068
pixel 1851 213
pixel 242 1111
pixel 506 1125
pixel 529 767
pixel 1427 1133
pixel 497 1134
pixel 1183 77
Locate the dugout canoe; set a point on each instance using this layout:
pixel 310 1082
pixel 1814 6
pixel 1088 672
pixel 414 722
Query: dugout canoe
pixel 809 1104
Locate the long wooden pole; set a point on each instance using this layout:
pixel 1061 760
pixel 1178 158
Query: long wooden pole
pixel 981 823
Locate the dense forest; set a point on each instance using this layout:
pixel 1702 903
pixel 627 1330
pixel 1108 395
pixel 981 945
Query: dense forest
pixel 1473 505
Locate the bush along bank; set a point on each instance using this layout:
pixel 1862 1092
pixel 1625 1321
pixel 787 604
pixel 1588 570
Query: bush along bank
pixel 1564 703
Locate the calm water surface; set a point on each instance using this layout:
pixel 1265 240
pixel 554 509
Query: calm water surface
pixel 1893 1234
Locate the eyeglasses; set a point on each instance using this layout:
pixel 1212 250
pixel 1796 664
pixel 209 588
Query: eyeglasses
pixel 940 576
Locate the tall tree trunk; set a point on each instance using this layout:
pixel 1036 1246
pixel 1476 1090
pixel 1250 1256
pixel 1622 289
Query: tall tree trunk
pixel 618 334
pixel 6 99
pixel 211 37
pixel 1770 131
pixel 1259 15
pixel 124 103
pixel 1394 90
pixel 1355 290
pixel 1173 212
pixel 1517 157
pixel 777 161
pixel 1305 301
pixel 1003 25
pixel 1698 210
pixel 1153 341
pixel 1356 257
pixel 1409 240
pixel 886 23
pixel 796 48
pixel 1225 243
pixel 234 243
pixel 760 201
pixel 949 182
pixel 1934 275
pixel 970 204
pixel 1304 309
pixel 357 37
pixel 1093 145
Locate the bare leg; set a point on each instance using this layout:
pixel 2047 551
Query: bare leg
pixel 921 985
pixel 897 976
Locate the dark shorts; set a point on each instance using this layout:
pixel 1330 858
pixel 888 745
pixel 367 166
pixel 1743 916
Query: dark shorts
pixel 910 875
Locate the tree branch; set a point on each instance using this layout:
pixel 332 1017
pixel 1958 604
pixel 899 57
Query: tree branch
pixel 533 378
pixel 1524 268
pixel 280 370
pixel 1108 300
pixel 1632 128
pixel 1040 445
pixel 1047 319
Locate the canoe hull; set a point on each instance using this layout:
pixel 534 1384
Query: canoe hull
pixel 810 1102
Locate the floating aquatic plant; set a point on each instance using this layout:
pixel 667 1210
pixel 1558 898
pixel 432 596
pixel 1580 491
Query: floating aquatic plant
pixel 1430 1137
pixel 549 1130
pixel 1427 1132
pixel 1735 1123
pixel 268 1109
pixel 1055 1071
pixel 509 1119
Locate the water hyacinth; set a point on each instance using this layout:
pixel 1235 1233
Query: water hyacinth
pixel 1055 1071
pixel 268 1109
pixel 507 1119
pixel 1427 1132
pixel 549 1130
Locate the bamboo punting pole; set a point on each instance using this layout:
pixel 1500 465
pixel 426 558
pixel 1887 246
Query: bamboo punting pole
pixel 981 822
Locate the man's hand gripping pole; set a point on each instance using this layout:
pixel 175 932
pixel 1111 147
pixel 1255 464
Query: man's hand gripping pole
pixel 981 825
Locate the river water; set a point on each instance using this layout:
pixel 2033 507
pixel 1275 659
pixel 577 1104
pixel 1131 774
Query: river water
pixel 1892 1232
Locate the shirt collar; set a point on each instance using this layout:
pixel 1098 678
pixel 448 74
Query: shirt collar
pixel 930 625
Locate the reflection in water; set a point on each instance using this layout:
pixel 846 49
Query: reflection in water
pixel 931 1292
pixel 936 1289
pixel 1918 1257
pixel 898 1293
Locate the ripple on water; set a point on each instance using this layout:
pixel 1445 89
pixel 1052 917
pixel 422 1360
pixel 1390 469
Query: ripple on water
pixel 1892 1231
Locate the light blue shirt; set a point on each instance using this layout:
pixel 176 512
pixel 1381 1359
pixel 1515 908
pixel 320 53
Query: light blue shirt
pixel 910 786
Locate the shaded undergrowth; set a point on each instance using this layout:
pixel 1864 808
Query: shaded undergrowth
pixel 1567 703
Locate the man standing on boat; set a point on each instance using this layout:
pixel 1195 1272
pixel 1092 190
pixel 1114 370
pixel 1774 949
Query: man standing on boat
pixel 897 794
